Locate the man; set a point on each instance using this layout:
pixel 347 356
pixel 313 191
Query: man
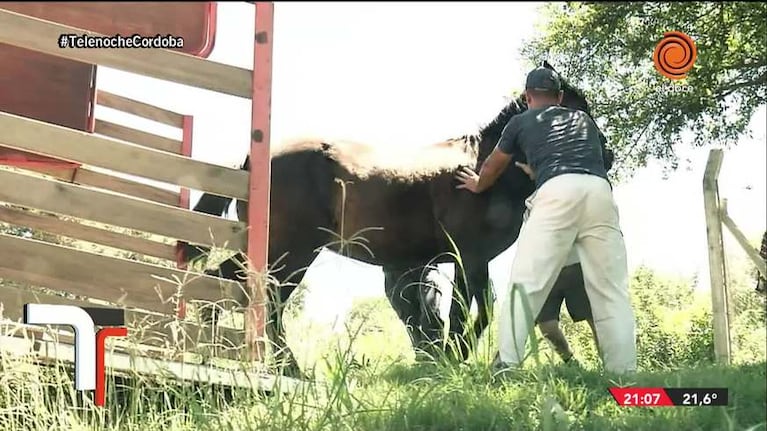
pixel 570 287
pixel 573 207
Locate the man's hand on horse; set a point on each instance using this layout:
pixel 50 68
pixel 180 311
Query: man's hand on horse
pixel 468 179
pixel 528 170
pixel 491 169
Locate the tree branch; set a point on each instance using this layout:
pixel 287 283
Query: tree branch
pixel 731 88
pixel 746 65
pixel 706 12
pixel 638 138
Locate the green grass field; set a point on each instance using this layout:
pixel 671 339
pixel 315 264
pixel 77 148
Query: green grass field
pixel 369 381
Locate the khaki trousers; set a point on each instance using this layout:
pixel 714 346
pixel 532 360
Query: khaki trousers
pixel 571 212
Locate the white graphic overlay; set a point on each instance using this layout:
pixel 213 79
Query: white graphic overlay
pixel 85 337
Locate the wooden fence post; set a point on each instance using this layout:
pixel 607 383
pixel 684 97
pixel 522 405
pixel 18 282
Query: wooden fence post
pixel 716 263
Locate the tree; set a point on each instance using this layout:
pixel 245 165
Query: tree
pixel 607 49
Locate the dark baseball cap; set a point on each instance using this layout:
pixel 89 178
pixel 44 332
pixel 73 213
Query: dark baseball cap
pixel 544 79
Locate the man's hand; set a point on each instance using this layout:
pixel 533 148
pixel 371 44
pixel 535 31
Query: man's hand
pixel 528 170
pixel 468 178
pixel 491 169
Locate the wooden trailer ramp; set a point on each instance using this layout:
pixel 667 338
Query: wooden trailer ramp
pixel 104 203
pixel 48 346
pixel 157 345
pixel 160 248
pixel 85 213
pixel 120 183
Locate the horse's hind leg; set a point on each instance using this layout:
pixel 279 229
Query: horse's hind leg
pixel 230 269
pixel 275 329
pixel 277 296
pixel 292 270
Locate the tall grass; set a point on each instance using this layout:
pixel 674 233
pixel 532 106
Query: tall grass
pixel 367 379
pixel 370 382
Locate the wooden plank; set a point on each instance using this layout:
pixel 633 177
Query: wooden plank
pixel 139 109
pixel 752 253
pixel 120 156
pixel 121 281
pixel 123 211
pixel 148 329
pixel 89 177
pixel 722 346
pixel 250 379
pixel 43 36
pixel 75 230
pixel 136 136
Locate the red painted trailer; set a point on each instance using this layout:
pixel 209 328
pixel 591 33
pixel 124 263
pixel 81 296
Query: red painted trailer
pixel 52 89
pixel 62 91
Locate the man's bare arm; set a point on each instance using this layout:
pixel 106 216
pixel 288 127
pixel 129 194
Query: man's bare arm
pixel 492 168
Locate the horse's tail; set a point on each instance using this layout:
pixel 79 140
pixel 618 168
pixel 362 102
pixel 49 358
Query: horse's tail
pixel 212 204
pixel 208 204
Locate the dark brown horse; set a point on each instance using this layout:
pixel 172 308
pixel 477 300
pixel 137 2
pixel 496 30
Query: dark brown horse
pixel 406 207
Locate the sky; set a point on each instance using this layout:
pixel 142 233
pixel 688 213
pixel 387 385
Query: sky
pixel 409 74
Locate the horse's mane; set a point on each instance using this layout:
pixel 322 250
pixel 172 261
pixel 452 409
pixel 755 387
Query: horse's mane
pixel 490 133
pixel 518 104
pixel 494 128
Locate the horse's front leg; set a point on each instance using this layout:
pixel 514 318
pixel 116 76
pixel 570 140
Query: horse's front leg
pixel 471 283
pixel 403 300
pixel 460 313
pixel 402 295
pixel 284 358
pixel 431 323
pixel 482 293
pixel 415 299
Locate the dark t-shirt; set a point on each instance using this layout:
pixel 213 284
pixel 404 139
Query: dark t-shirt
pixel 555 140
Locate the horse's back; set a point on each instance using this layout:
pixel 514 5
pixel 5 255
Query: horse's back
pixel 379 209
pixel 395 164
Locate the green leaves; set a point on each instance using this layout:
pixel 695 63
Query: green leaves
pixel 607 49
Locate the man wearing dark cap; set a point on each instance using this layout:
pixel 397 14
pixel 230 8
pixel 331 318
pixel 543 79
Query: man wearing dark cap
pixel 572 208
